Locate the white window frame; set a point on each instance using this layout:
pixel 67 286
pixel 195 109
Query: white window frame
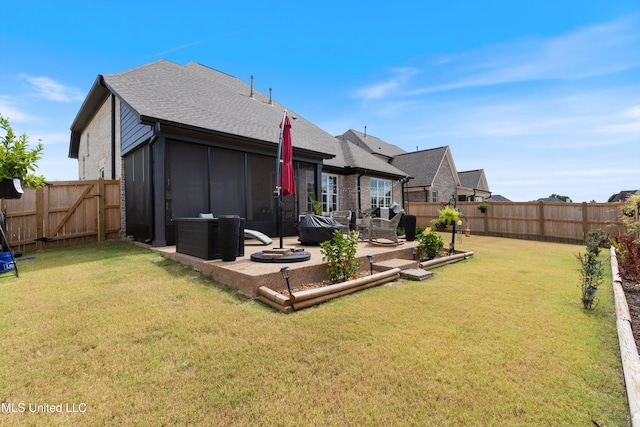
pixel 329 193
pixel 377 195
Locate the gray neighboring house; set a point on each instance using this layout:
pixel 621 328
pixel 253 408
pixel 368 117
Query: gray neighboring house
pixel 189 139
pixel 433 173
pixel 473 186
pixel 497 198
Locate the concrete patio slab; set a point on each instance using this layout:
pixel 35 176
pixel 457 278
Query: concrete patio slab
pixel 247 276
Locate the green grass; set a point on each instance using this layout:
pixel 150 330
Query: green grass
pixel 500 339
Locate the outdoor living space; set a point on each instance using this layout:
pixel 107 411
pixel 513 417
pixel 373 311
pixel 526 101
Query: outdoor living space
pixel 247 276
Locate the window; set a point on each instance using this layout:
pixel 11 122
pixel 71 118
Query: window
pixel 380 193
pixel 329 193
pixel 434 196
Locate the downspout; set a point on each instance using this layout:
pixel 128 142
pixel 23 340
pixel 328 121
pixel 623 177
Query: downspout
pixel 360 192
pixel 152 140
pixel 113 136
pixel 426 193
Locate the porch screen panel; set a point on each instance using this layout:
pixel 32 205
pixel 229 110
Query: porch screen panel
pixel 261 175
pixel 227 182
pixel 188 184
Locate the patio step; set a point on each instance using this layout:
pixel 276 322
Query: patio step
pixel 402 264
pixel 415 274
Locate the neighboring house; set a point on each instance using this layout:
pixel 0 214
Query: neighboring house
pixel 497 198
pixel 552 200
pixel 473 186
pixel 189 139
pixel 433 173
pixel 623 195
pixel 435 178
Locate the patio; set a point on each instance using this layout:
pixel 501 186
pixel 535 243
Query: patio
pixel 247 276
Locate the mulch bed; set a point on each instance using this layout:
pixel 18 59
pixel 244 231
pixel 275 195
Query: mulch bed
pixel 632 292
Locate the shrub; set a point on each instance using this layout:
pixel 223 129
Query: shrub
pixel 595 240
pixel 629 258
pixel 340 255
pixel 630 214
pixel 591 277
pixel 429 243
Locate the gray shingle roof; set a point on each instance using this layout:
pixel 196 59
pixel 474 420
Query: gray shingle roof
pixel 371 143
pixel 351 155
pixel 421 165
pixel 203 98
pixel 471 179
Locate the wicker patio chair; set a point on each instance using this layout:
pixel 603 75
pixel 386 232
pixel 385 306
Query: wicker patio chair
pixel 385 228
pixel 344 218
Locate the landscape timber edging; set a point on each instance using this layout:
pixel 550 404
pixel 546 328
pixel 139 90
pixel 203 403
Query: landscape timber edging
pixel 310 297
pixel 628 350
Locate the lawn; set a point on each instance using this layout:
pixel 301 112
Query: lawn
pixel 125 337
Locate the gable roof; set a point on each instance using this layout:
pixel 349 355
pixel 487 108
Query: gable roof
pixel 424 165
pixel 200 98
pixel 497 198
pixel 371 144
pixel 351 156
pixel 474 179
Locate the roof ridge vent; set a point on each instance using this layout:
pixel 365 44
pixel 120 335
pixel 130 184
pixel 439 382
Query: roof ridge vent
pixel 251 94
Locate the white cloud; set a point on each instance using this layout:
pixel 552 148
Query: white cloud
pixel 388 87
pixel 51 90
pixel 12 113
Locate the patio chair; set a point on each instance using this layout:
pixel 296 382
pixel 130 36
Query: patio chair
pixel 344 218
pixel 381 228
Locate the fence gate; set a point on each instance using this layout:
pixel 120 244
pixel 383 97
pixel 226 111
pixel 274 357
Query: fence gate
pixel 63 213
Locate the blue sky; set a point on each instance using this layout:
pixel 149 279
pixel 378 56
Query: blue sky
pixel 542 95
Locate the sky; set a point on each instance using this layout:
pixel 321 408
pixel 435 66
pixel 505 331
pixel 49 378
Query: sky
pixel 542 95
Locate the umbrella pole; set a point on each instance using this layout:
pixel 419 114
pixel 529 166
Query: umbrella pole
pixel 278 191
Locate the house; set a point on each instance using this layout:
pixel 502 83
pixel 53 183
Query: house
pixel 473 186
pixel 622 196
pixel 189 139
pixel 497 198
pixel 435 178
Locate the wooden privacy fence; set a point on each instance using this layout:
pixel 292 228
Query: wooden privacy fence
pixel 63 213
pixel 554 222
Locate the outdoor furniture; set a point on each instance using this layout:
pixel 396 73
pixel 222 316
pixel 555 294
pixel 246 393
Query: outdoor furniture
pixel 381 228
pixel 200 237
pixel 344 218
pixel 314 229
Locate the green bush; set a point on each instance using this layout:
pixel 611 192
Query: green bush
pixel 595 240
pixel 429 243
pixel 591 277
pixel 340 255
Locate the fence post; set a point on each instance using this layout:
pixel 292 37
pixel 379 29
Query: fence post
pixel 585 221
pixel 541 216
pixel 40 231
pixel 486 221
pixel 102 223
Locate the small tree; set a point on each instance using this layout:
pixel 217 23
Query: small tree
pixel 340 254
pixel 16 160
pixel 429 243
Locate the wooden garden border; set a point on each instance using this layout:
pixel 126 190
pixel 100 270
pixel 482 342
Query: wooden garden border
pixel 308 298
pixel 628 350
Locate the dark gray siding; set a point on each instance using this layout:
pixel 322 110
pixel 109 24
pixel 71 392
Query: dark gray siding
pixel 132 133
